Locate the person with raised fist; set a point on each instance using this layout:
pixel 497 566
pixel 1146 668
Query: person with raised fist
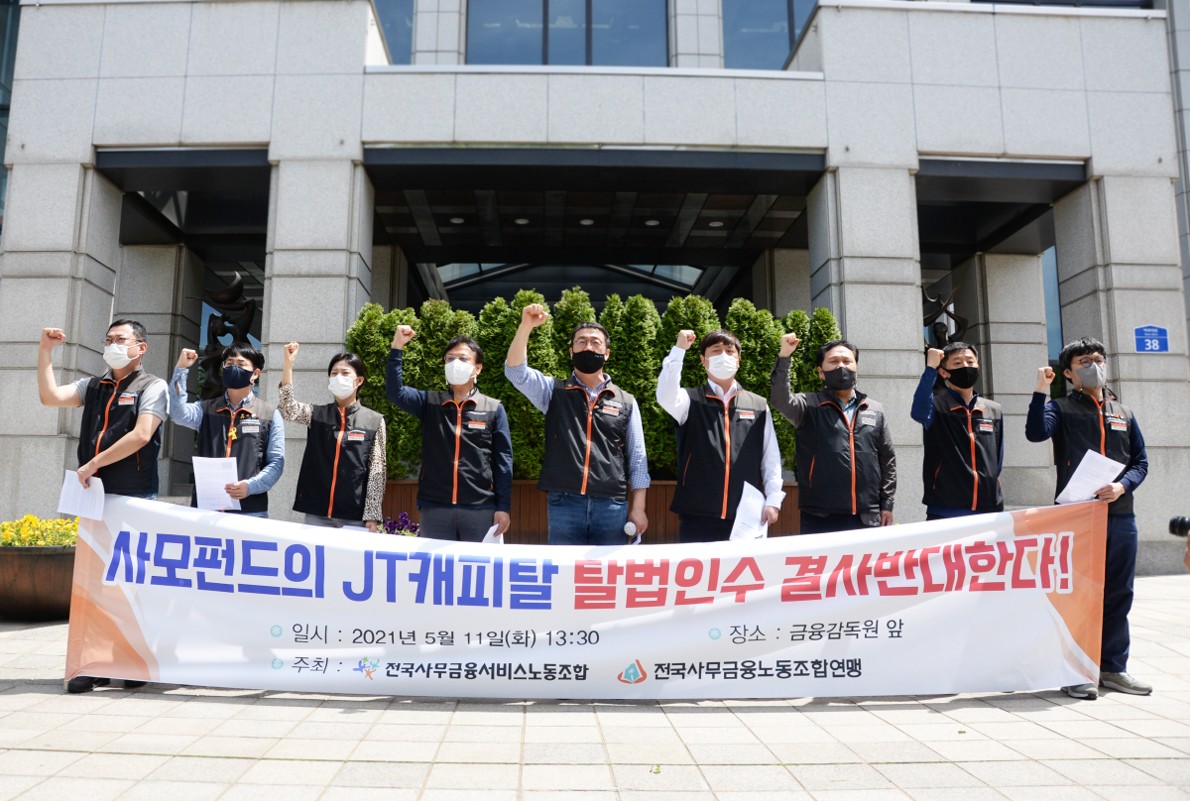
pixel 846 466
pixel 1091 418
pixel 725 438
pixel 465 484
pixel 595 469
pixel 341 482
pixel 237 424
pixel 963 435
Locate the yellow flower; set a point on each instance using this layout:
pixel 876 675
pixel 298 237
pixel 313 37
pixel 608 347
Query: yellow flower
pixel 31 530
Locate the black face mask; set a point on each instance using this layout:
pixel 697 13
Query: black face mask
pixel 236 377
pixel 963 377
pixel 838 379
pixel 588 362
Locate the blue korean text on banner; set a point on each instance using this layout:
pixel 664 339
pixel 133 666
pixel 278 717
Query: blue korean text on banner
pixel 1151 339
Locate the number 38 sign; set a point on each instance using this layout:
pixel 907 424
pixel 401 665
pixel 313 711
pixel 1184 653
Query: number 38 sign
pixel 1152 339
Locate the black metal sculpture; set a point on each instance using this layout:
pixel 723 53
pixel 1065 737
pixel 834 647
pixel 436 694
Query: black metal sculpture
pixel 935 320
pixel 234 315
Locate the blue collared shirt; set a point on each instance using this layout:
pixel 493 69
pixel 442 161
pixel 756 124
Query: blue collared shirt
pixel 539 388
pixel 189 415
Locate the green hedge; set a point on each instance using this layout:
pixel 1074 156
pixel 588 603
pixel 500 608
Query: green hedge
pixel 640 339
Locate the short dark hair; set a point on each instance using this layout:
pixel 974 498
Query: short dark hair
pixel 237 349
pixel 955 347
pixel 834 343
pixel 719 336
pixel 606 336
pixel 469 342
pixel 355 362
pixel 1080 347
pixel 138 330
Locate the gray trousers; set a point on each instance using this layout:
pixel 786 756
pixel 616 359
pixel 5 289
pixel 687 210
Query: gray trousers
pixel 458 523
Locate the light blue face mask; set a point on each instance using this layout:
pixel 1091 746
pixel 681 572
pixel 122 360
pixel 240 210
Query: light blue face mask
pixel 1093 376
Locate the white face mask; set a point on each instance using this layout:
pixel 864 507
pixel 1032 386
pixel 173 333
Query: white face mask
pixel 723 366
pixel 341 386
pixel 117 356
pixel 458 372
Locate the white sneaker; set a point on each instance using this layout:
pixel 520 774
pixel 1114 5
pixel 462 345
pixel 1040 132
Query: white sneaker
pixel 1085 692
pixel 1124 683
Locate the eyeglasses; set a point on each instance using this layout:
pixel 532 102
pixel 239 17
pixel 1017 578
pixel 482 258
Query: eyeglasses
pixel 120 341
pixel 588 342
pixel 1087 361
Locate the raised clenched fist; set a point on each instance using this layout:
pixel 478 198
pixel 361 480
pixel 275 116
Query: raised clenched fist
pixel 789 343
pixel 291 352
pixel 534 315
pixel 686 338
pixel 51 338
pixel 934 357
pixel 402 335
pixel 1045 377
pixel 187 358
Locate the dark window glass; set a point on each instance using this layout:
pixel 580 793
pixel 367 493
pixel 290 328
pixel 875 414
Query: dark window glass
pixel 568 32
pixel 504 31
pixel 396 24
pixel 756 34
pixel 629 33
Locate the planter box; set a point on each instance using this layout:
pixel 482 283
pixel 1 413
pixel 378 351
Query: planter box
pixel 36 582
pixel 530 513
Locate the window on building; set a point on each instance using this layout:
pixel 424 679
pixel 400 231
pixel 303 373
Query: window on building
pixel 396 24
pixel 760 34
pixel 10 18
pixel 629 33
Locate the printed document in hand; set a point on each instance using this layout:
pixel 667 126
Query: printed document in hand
pixel 80 501
pixel 749 516
pixel 493 537
pixel 211 477
pixel 1093 473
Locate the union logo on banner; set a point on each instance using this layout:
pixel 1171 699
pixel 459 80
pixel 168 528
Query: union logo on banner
pixel 633 674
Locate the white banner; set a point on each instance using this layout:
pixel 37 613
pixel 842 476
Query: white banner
pixel 1008 601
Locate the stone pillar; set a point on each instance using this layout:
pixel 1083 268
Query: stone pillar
pixel 696 33
pixel 1003 298
pixel 864 266
pixel 790 280
pixel 59 265
pixel 318 275
pixel 1118 269
pixel 439 32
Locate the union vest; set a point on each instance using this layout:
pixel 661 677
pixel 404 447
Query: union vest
pixel 1088 425
pixel 720 446
pixel 456 450
pixel 586 446
pixel 962 455
pixel 333 481
pixel 110 409
pixel 242 435
pixel 838 465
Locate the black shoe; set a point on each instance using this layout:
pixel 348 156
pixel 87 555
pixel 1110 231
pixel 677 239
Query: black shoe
pixel 85 684
pixel 129 684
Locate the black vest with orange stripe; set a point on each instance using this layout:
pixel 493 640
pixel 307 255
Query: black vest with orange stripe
pixel 838 465
pixel 456 450
pixel 1088 425
pixel 110 409
pixel 720 446
pixel 586 446
pixel 243 435
pixel 961 464
pixel 333 481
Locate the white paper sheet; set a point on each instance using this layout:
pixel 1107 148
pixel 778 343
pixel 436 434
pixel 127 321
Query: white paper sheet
pixel 1093 473
pixel 749 516
pixel 493 537
pixel 211 477
pixel 80 501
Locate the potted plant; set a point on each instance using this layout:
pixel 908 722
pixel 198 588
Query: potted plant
pixel 36 568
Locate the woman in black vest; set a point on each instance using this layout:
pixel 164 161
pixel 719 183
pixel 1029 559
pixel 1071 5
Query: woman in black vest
pixel 465 483
pixel 343 469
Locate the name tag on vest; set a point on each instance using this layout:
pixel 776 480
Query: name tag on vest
pixel 478 425
pixel 614 411
pixel 249 426
pixel 747 414
pixel 987 426
pixel 126 399
pixel 867 418
pixel 1117 424
pixel 357 436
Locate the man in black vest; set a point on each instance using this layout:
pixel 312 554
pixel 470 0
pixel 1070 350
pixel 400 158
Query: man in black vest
pixel 594 447
pixel 121 430
pixel 725 438
pixel 239 424
pixel 1091 419
pixel 846 467
pixel 963 436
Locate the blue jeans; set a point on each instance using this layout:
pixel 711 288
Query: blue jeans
pixel 584 520
pixel 1119 570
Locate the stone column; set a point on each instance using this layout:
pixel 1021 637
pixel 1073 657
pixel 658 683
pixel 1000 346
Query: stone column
pixel 696 33
pixel 439 32
pixel 1003 297
pixel 864 266
pixel 790 280
pixel 1118 268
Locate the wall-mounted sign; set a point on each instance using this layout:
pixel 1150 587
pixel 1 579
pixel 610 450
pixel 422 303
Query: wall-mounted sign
pixel 1151 339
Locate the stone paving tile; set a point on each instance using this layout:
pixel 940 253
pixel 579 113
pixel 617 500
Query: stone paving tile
pixel 569 795
pixel 168 725
pixel 70 740
pixel 624 734
pixel 200 769
pixel 1019 773
pixel 1134 748
pixel 876 794
pixel 672 795
pixel 75 787
pixel 238 727
pixel 658 779
pixel 732 754
pixel 954 794
pixel 334 750
pixel 763 795
pixel 940 732
pixel 1056 748
pixel 490 752
pixel 406 732
pixel 563 753
pixel 393 751
pixel 813 753
pixel 1170 771
pixel 765 778
pixel 252 792
pixel 366 794
pixel 475 777
pixel 245 747
pixel 563 734
pixel 806 733
pixel 649 753
pixel 567 777
pixel 175 791
pixel 1003 731
pixel 839 777
pixel 922 775
pixel 13 786
pixel 971 750
pixel 376 774
pixel 440 794
pixel 882 733
pixel 105 766
pixel 1128 793
pixel 19 762
pixel 1050 793
pixel 328 731
pixel 150 743
pixel 733 734
pixel 286 772
pixel 876 753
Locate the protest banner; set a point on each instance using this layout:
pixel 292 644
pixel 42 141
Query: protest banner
pixel 997 602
